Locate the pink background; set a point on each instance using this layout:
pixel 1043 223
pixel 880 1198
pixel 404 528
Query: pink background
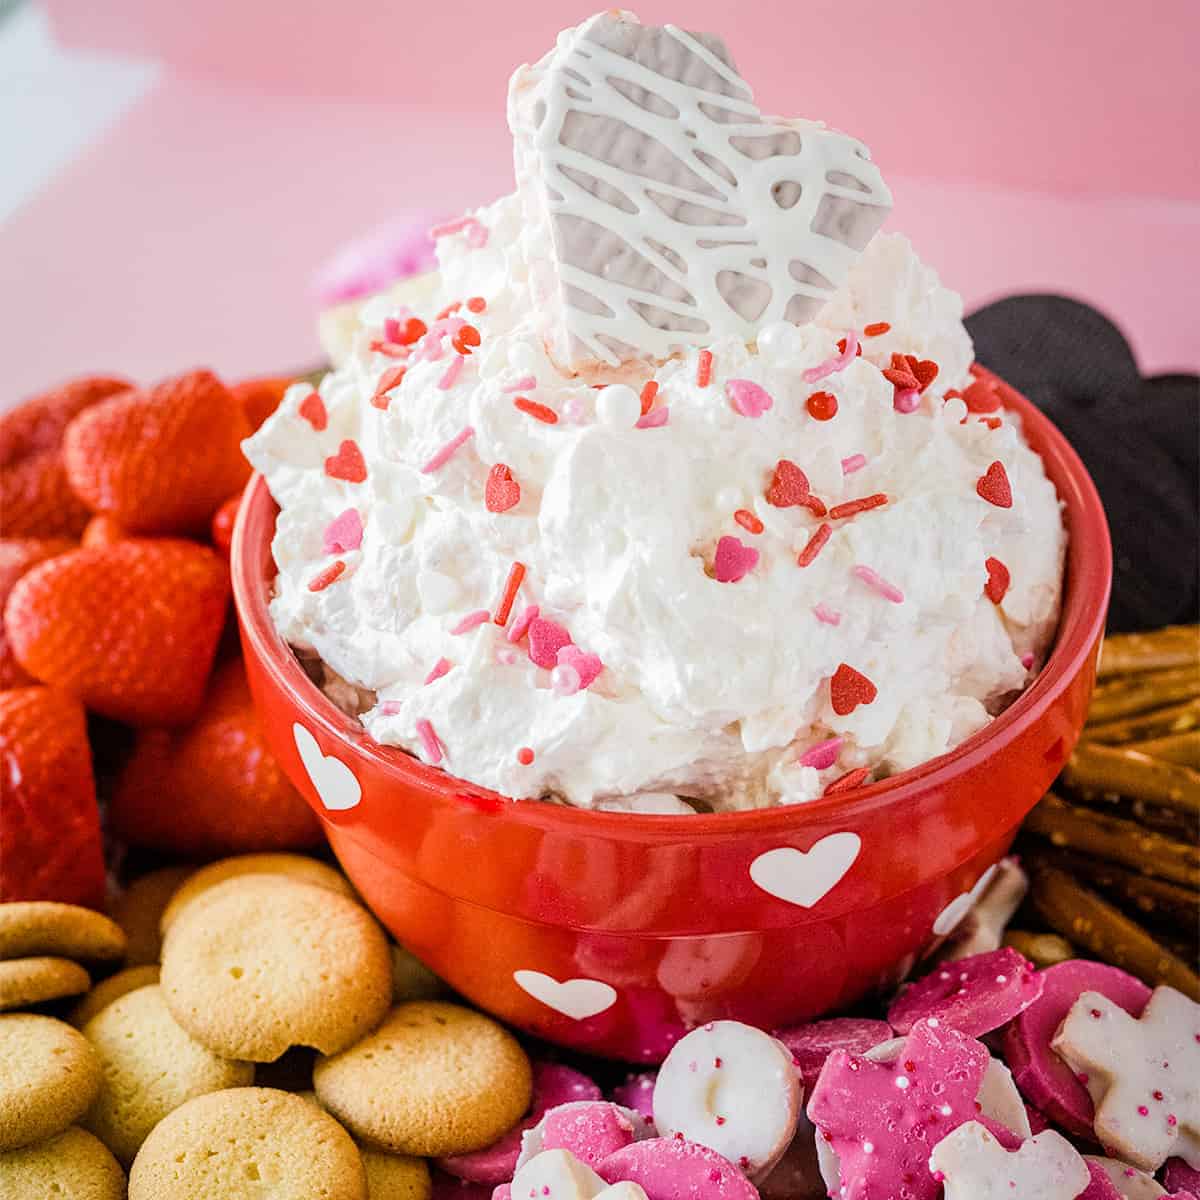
pixel 1030 146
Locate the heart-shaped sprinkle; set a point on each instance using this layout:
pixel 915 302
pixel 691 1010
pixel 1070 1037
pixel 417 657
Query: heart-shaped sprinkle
pixel 546 639
pixel 388 380
pixel 733 560
pixel 312 409
pixel 982 396
pixel 994 486
pixel 789 485
pixel 747 397
pixel 587 666
pixel 997 581
pixel 347 463
pixel 848 689
pixel 343 533
pixel 502 491
pixel 924 369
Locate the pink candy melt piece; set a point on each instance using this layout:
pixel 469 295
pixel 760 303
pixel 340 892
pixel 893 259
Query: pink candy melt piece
pixel 973 995
pixel 733 560
pixel 748 397
pixel 546 639
pixel 586 666
pixel 883 1120
pixel 343 534
pixel 1044 1079
pixel 675 1169
pixel 811 1044
pixel 1179 1177
pixel 591 1130
pixel 821 757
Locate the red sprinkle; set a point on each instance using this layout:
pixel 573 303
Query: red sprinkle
pixel 815 506
pixel 312 409
pixel 815 544
pixel 704 368
pixel 322 580
pixel 388 349
pixel 748 521
pixel 982 396
pixel 842 348
pixel 822 406
pixel 449 310
pixel 388 380
pixel 991 422
pixel 539 412
pixel 413 330
pixel 465 339
pixel 512 585
pixel 876 329
pixel 347 463
pixel 997 581
pixel 502 491
pixel 848 689
pixel 863 504
pixel 848 782
pixel 476 304
pixel 524 756
pixel 719 1121
pixel 994 487
pixel 648 393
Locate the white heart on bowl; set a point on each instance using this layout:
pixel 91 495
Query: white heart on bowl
pixel 334 782
pixel 805 877
pixel 577 998
pixel 949 919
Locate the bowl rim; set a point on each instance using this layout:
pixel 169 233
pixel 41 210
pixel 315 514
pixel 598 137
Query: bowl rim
pixel 1087 585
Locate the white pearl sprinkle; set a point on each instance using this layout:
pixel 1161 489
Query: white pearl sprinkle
pixel 902 1081
pixel 618 406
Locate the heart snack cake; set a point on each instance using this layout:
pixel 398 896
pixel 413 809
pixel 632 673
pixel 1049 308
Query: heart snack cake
pixel 682 493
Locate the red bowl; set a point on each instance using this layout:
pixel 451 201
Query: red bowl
pixel 613 932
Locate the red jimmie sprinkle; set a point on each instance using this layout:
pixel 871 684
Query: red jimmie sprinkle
pixel 998 580
pixel 822 406
pixel 449 310
pixel 848 782
pixel 815 543
pixel 388 380
pixel 991 422
pixel 815 506
pixel 465 339
pixel 648 394
pixel 312 409
pixel 389 350
pixel 539 412
pixel 512 585
pixel 704 368
pixel 476 304
pixel 863 504
pixel 842 348
pixel 323 579
pixel 748 521
pixel 524 756
pixel 876 329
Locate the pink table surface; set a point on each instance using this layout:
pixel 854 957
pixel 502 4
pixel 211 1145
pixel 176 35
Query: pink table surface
pixel 189 234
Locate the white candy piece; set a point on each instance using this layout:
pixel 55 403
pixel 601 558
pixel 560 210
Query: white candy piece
pixel 974 1166
pixel 1129 1181
pixel 732 1088
pixel 622 1191
pixel 559 1171
pixel 998 1100
pixel 982 929
pixel 618 405
pixel 662 209
pixel 1143 1074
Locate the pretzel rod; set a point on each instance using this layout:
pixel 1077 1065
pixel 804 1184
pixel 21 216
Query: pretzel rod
pixel 1162 722
pixel 1042 949
pixel 1073 828
pixel 1129 694
pixel 1156 900
pixel 1181 748
pixel 1174 646
pixel 1126 772
pixel 1092 923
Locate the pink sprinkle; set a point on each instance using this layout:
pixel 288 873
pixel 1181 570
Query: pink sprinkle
pixel 1027 661
pixel 393 331
pixel 453 371
pixel 477 236
pixel 655 418
pixel 430 741
pixel 525 384
pixel 447 452
pixel 518 629
pixel 733 560
pixel 389 708
pixel 839 362
pixel 546 639
pixel 586 666
pixel 564 680
pixel 343 533
pixel 1143 1111
pixel 823 755
pixel 475 232
pixel 876 582
pixel 907 401
pixel 855 462
pixel 747 397
pixel 827 615
pixel 471 621
pixel 438 670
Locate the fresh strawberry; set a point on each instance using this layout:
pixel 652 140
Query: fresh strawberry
pixel 18 555
pixel 259 398
pixel 39 423
pixel 160 461
pixel 222 525
pixel 49 822
pixel 103 531
pixel 130 629
pixel 213 788
pixel 37 501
